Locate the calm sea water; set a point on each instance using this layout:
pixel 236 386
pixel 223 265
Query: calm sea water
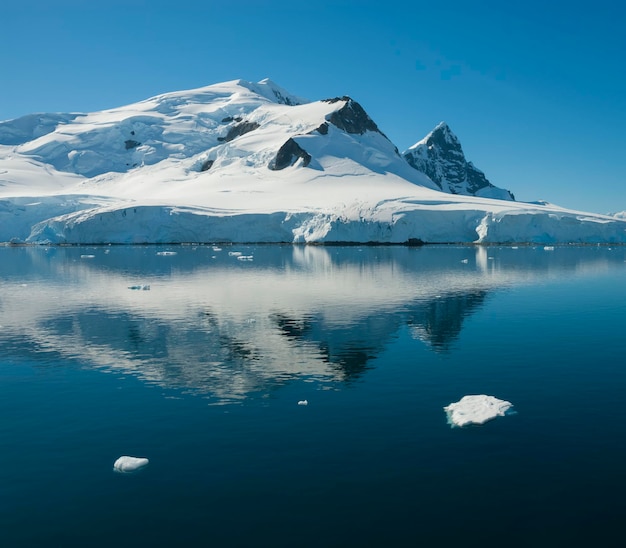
pixel 203 372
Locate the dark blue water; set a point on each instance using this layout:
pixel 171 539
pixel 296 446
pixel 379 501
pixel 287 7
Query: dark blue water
pixel 202 374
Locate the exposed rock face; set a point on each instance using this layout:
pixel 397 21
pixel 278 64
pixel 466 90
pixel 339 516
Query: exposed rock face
pixel 288 154
pixel 284 99
pixel 323 129
pixel 351 117
pixel 131 143
pixel 206 165
pixel 440 156
pixel 238 130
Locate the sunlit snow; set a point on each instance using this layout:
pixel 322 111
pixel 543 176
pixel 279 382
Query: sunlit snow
pixel 245 162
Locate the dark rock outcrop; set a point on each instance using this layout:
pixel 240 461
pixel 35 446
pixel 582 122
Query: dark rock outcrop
pixel 238 130
pixel 323 129
pixel 206 165
pixel 288 154
pixel 351 117
pixel 285 100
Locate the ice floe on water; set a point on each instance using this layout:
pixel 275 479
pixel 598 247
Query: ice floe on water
pixel 303 402
pixel 166 253
pixel 87 256
pixel 476 409
pixel 141 287
pixel 128 464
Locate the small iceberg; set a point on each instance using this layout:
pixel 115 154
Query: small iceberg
pixel 87 256
pixel 303 402
pixel 235 253
pixel 245 257
pixel 476 410
pixel 144 287
pixel 166 253
pixel 548 248
pixel 126 464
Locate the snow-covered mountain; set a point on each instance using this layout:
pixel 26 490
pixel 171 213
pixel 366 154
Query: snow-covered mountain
pixel 440 156
pixel 249 162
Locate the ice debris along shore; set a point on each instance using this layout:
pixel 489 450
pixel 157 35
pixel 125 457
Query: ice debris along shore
pixel 127 464
pixel 477 409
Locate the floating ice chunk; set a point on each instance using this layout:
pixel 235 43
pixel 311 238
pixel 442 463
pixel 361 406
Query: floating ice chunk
pixel 235 253
pixel 215 248
pixel 476 410
pixel 465 261
pixel 166 253
pixel 245 257
pixel 144 287
pixel 548 248
pixel 87 256
pixel 127 465
pixel 303 402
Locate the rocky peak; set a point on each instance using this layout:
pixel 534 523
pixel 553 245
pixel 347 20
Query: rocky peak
pixel 440 156
pixel 351 117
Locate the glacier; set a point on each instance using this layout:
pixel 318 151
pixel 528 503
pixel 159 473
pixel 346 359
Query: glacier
pixel 244 162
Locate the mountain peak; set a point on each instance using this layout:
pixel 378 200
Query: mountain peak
pixel 351 117
pixel 440 156
pixel 272 91
pixel 443 137
pixel 443 127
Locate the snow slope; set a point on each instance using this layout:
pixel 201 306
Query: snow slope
pixel 245 162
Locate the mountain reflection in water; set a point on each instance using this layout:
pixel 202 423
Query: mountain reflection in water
pixel 229 329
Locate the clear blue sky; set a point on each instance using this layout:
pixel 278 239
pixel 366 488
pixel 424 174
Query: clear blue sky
pixel 536 91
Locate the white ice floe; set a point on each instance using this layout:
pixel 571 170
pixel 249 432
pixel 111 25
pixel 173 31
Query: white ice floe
pixel 303 402
pixel 87 256
pixel 127 464
pixel 166 253
pixel 144 287
pixel 548 248
pixel 245 257
pixel 235 253
pixel 476 409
